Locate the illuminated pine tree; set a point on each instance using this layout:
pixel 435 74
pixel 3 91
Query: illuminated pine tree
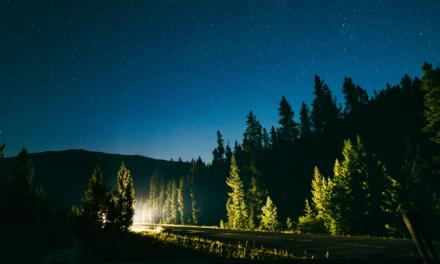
pixel 237 208
pixel 95 203
pixel 154 196
pixel 184 201
pixel 431 84
pixel 309 213
pixel 251 223
pixel 162 197
pixel 230 212
pixel 174 204
pixel 318 193
pixel 341 209
pixel 124 199
pixel 195 195
pixel 166 215
pixel 289 224
pixel 269 216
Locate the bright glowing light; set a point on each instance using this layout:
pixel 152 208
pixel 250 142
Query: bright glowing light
pixel 148 229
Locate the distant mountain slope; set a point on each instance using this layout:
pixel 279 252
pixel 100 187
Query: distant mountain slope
pixel 64 175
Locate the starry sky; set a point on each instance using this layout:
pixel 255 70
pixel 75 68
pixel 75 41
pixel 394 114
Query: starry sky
pixel 159 78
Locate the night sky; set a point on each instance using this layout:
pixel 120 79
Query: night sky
pixel 159 78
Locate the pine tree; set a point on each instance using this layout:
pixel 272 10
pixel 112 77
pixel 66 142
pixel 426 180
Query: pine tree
pixel 252 173
pixel 266 140
pixel 253 129
pixel 17 198
pixel 154 195
pixel 97 196
pixel 219 152
pixel 251 223
pixel 363 196
pixel 324 106
pixel 305 122
pixel 162 197
pixel 74 214
pixel 269 216
pixel 431 84
pixel 318 199
pixel 184 201
pixel 342 202
pixel 309 213
pixel 174 204
pixel 167 206
pixel 289 128
pixel 289 224
pixel 355 96
pixel 124 199
pixel 228 154
pixel 273 138
pixel 195 195
pixel 236 205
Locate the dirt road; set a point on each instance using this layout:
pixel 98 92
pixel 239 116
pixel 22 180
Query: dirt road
pixel 317 245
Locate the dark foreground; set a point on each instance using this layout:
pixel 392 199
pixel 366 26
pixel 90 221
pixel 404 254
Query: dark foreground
pixel 317 245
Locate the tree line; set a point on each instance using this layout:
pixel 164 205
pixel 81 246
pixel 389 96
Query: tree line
pixel 362 197
pixel 175 194
pixel 363 194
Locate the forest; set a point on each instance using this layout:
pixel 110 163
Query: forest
pixel 341 170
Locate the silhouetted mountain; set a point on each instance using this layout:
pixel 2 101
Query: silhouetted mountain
pixel 64 175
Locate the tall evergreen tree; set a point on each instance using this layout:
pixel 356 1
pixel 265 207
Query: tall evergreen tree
pixel 196 202
pixel 273 138
pixel 318 192
pixel 355 96
pixel 305 122
pixel 228 154
pixel 184 201
pixel 237 211
pixel 219 152
pixel 174 204
pixel 364 197
pixel 252 172
pixel 154 196
pixel 124 199
pixel 265 139
pixel 342 204
pixel 324 106
pixel 166 215
pixel 162 196
pixel 238 150
pixel 289 128
pixel 253 129
pixel 97 197
pixel 17 197
pixel 269 216
pixel 431 84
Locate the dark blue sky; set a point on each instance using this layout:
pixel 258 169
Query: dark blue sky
pixel 159 78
